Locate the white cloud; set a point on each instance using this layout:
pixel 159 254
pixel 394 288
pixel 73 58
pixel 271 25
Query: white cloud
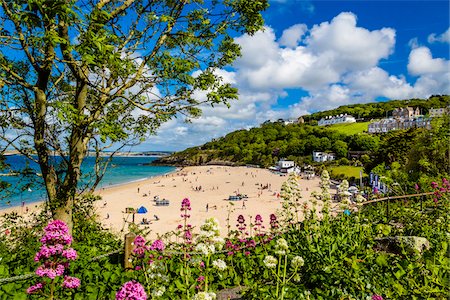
pixel 443 38
pixel 421 62
pixel 335 63
pixel 348 46
pixel 292 35
pixel 330 50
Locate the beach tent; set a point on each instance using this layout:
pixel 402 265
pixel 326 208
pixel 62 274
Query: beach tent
pixel 142 210
pixel 353 189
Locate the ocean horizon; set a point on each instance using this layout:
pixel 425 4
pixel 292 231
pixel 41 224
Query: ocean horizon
pixel 30 189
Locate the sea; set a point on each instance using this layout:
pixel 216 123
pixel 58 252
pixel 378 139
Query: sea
pixel 30 189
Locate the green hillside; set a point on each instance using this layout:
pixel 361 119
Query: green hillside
pixel 351 128
pixel 414 155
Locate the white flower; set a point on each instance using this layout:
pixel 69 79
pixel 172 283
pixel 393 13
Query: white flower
pixel 158 292
pixel 204 296
pixel 270 262
pixel 219 264
pixel 297 262
pixel 205 249
pixel 281 247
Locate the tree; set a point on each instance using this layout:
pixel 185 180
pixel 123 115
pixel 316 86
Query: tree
pixel 85 75
pixel 340 148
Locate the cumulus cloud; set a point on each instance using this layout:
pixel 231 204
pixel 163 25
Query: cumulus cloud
pixel 442 38
pixel 421 62
pixel 293 35
pixel 330 49
pixel 334 63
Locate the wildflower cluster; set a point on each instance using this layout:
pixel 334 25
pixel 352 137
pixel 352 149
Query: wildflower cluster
pixel 344 194
pixel 325 195
pixel 273 222
pixel 55 255
pixel 241 225
pixel 204 296
pixel 291 195
pixel 187 228
pixel 279 267
pixel 149 260
pixel 131 290
pixel 258 226
pixel 281 248
pixel 270 262
pixel 440 191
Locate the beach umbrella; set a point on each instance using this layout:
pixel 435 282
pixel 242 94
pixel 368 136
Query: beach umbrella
pixel 142 210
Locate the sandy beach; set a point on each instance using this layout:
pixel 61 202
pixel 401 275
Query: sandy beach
pixel 207 187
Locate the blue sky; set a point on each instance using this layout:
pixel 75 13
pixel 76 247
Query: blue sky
pixel 318 55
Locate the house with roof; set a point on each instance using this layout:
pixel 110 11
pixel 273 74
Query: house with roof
pixel 438 112
pixel 402 118
pixel 286 166
pixel 406 112
pixel 342 118
pixel 323 156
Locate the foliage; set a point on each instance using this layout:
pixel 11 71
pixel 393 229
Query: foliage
pixel 78 77
pixel 381 109
pixel 318 258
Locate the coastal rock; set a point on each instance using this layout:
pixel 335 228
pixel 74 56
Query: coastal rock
pixel 395 244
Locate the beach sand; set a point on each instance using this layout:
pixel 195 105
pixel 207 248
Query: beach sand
pixel 203 186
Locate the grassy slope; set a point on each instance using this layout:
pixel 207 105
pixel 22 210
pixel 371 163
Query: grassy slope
pixel 351 128
pixel 349 171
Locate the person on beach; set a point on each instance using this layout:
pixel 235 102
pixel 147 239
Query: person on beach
pixel 107 216
pixel 138 190
pixel 243 204
pixel 207 206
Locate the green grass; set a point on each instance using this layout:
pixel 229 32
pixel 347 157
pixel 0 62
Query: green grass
pixel 348 171
pixel 351 128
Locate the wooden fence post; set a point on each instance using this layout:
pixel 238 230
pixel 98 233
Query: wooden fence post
pixel 129 239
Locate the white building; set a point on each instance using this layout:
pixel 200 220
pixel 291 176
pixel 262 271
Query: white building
pixel 437 112
pixel 342 118
pixel 323 156
pixel 285 164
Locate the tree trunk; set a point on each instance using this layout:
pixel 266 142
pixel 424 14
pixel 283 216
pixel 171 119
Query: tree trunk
pixel 64 213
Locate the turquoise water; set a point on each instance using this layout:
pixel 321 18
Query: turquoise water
pixel 30 189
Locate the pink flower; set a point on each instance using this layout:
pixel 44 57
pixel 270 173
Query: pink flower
pixel 201 278
pixel 377 297
pixel 139 241
pixel 70 254
pixel 434 185
pixel 416 186
pixel 186 204
pixel 71 282
pixel 273 221
pixel 34 288
pixel 202 264
pixel 241 219
pixel 157 245
pixel 131 290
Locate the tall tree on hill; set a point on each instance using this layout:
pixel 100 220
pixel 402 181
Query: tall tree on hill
pixel 87 74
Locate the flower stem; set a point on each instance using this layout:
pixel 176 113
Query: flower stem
pixel 284 277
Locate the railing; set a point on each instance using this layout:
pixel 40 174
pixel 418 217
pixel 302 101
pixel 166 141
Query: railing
pixel 395 198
